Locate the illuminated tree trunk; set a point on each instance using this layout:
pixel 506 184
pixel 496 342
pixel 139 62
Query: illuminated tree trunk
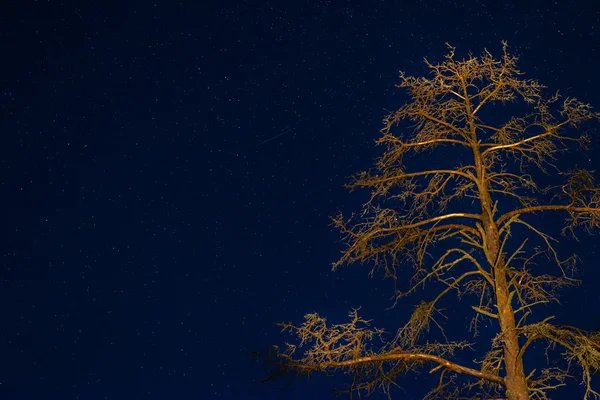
pixel 515 379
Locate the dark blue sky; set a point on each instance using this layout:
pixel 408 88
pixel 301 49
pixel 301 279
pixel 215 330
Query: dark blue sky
pixel 168 170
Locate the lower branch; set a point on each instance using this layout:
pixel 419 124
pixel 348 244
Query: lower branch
pixel 416 356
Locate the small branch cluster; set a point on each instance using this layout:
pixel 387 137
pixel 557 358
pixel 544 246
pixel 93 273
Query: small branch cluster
pixel 346 347
pixel 579 348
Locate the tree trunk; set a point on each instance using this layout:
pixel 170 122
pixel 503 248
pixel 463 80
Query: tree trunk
pixel 515 379
pixel 516 382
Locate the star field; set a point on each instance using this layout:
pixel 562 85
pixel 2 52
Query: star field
pixel 169 169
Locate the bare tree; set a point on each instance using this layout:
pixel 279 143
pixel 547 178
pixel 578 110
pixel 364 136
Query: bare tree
pixel 469 212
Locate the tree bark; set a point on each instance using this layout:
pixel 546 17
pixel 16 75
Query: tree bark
pixel 515 379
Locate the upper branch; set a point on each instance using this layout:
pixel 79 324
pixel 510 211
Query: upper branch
pixel 595 211
pixel 385 235
pixel 370 181
pixel 583 207
pixel 495 146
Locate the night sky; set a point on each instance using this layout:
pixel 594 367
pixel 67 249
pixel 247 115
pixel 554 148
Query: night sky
pixel 168 170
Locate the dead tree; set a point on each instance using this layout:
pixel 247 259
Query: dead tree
pixel 469 213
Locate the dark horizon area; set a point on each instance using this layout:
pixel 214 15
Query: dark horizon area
pixel 169 170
